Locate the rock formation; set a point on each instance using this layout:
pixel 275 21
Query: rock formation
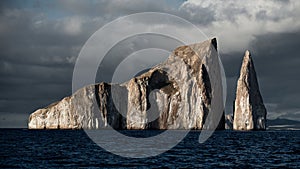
pixel 249 110
pixel 176 94
pixel 228 122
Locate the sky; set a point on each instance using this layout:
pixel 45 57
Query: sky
pixel 41 40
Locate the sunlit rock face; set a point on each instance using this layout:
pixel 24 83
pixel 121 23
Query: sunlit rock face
pixel 249 110
pixel 176 94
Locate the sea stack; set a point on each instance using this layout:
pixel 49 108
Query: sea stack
pixel 176 94
pixel 249 110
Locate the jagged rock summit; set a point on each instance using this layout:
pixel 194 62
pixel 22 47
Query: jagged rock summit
pixel 249 110
pixel 176 94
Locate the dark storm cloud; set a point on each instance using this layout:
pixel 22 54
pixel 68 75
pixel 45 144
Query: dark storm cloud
pixel 37 55
pixel 28 39
pixel 116 8
pixel 125 48
pixel 40 42
pixel 39 45
pixel 278 65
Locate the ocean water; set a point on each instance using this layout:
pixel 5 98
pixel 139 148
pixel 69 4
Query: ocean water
pixel 22 148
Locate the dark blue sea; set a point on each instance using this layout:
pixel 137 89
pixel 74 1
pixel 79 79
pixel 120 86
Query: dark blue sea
pixel 22 148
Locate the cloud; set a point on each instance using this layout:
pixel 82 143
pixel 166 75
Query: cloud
pixel 73 25
pixel 129 46
pixel 40 42
pixel 237 23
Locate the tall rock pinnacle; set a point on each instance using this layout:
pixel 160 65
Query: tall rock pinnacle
pixel 249 110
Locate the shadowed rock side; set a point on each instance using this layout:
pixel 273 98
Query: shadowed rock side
pixel 175 94
pixel 228 122
pixel 249 110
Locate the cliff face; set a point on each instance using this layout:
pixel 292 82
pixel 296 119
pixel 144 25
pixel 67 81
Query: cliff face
pixel 249 110
pixel 176 94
